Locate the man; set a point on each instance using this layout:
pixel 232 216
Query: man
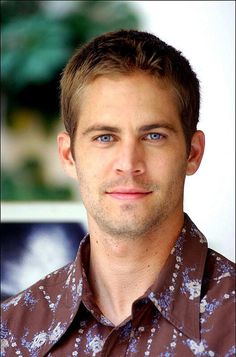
pixel 144 282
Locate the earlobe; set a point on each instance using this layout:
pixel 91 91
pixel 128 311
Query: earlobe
pixel 64 148
pixel 196 152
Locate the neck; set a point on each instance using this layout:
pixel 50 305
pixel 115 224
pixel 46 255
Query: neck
pixel 122 270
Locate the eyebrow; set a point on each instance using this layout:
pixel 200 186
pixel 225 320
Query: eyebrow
pixel 92 128
pixel 160 125
pixel 142 129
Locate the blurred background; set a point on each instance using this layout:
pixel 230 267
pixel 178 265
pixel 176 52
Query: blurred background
pixel 38 37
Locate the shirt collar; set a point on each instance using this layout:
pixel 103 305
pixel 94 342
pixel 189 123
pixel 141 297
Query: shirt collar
pixel 176 292
pixel 73 296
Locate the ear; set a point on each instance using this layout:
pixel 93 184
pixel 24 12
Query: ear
pixel 64 148
pixel 196 152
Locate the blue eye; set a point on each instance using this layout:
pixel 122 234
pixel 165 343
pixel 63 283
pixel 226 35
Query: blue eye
pixel 154 136
pixel 105 138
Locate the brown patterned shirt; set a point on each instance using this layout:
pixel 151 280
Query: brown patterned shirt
pixel 188 311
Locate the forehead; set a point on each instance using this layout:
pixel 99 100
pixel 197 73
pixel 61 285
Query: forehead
pixel 137 96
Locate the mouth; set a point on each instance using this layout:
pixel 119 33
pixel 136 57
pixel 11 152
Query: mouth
pixel 128 193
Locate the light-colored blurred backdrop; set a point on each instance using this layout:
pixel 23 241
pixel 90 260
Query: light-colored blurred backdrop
pixel 39 37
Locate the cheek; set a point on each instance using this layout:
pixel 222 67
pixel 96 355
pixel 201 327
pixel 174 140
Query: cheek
pixel 88 175
pixel 159 164
pixel 168 168
pixel 94 166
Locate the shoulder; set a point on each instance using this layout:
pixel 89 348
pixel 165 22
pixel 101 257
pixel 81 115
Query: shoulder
pixel 218 294
pixel 32 311
pixel 219 271
pixel 32 295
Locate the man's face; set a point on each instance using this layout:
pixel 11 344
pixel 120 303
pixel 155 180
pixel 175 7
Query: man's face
pixel 130 154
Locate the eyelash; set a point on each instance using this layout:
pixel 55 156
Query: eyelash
pixel 99 138
pixel 160 136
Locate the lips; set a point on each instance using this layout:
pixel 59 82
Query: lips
pixel 128 193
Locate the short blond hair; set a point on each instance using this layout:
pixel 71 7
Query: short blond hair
pixel 124 52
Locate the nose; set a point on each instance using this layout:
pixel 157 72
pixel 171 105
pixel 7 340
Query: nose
pixel 130 159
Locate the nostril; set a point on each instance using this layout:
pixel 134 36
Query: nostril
pixel 129 171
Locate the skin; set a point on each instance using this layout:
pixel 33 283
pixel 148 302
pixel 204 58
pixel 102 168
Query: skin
pixel 131 162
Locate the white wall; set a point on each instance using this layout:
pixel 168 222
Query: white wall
pixel 204 31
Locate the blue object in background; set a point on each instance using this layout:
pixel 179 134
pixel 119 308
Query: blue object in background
pixel 29 251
